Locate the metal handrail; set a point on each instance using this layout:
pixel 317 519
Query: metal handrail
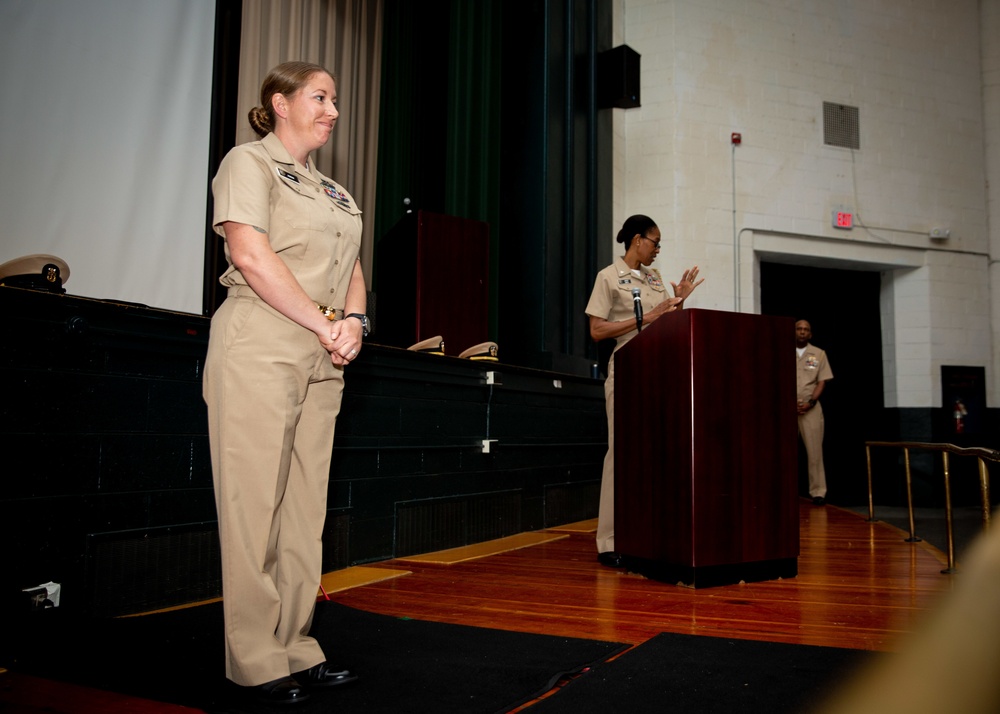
pixel 983 454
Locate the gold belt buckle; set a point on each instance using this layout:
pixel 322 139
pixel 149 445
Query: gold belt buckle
pixel 330 312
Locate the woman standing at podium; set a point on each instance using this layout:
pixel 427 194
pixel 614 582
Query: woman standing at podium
pixel 614 314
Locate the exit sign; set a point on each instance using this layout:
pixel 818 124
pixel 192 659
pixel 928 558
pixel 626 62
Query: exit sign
pixel 843 219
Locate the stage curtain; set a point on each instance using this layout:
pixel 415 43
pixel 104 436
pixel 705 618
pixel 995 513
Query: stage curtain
pixel 473 140
pixel 345 36
pixel 472 177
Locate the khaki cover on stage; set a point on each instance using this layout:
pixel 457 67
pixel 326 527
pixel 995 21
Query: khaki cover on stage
pixel 706 449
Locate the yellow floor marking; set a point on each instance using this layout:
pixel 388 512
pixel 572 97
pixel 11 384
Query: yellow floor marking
pixel 174 607
pixel 589 526
pixel 333 582
pixel 357 576
pixel 481 550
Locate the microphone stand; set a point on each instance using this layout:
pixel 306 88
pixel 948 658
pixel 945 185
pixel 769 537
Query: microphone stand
pixel 637 303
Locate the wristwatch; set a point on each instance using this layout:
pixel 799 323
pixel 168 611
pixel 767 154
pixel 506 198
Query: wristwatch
pixel 364 322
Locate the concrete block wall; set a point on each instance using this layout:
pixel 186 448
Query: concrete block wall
pixel 764 68
pixel 936 315
pixel 989 31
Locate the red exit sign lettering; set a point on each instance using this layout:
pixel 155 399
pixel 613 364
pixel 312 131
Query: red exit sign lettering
pixel 843 219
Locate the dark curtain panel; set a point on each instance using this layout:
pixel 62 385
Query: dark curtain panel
pixel 472 155
pixel 225 83
pixel 413 126
pixel 489 113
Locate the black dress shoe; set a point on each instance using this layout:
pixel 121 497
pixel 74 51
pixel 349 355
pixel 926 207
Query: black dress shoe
pixel 284 690
pixel 819 501
pixel 611 559
pixel 325 674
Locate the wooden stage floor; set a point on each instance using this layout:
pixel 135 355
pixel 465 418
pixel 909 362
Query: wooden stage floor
pixel 860 585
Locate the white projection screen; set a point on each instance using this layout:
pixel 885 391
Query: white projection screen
pixel 104 143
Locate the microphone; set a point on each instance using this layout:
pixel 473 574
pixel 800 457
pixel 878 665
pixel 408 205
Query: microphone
pixel 637 303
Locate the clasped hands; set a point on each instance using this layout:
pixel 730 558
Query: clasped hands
pixel 344 341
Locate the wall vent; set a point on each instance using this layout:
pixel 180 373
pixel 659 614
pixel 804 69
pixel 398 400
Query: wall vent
pixel 840 126
pixel 571 502
pixel 148 569
pixel 437 524
pixel 336 541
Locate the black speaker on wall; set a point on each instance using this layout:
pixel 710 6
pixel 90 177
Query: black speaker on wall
pixel 618 78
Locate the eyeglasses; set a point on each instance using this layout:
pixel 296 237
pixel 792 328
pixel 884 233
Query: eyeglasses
pixel 656 243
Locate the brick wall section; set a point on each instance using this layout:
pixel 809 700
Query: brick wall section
pixel 923 76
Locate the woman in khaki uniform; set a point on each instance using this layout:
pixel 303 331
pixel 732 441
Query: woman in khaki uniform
pixel 292 321
pixel 612 314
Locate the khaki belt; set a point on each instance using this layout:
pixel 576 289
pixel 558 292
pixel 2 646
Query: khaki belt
pixel 332 313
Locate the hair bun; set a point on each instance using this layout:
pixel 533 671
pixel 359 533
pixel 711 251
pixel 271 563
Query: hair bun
pixel 261 121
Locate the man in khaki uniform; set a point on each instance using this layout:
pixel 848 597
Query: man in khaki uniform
pixel 813 372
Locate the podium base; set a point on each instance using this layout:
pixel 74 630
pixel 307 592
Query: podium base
pixel 709 576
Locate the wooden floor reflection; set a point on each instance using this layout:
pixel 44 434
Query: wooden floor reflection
pixel 860 585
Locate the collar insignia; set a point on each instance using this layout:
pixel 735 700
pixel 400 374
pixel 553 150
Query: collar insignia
pixel 286 175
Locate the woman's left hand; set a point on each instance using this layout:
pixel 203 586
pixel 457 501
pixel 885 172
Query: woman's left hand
pixel 346 334
pixel 687 284
pixel 345 341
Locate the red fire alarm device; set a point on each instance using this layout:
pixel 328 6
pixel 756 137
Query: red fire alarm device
pixel 737 138
pixel 843 219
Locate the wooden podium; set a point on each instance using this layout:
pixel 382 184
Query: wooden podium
pixel 706 449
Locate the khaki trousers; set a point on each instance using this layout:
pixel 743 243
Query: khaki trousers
pixel 273 397
pixel 606 508
pixel 811 430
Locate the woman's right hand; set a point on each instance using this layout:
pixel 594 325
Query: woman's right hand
pixel 602 329
pixel 668 305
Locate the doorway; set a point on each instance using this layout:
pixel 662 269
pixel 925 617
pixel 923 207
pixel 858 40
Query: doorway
pixel 844 310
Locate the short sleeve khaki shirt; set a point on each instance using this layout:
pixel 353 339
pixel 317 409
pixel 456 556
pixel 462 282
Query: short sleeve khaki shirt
pixel 811 368
pixel 611 298
pixel 312 223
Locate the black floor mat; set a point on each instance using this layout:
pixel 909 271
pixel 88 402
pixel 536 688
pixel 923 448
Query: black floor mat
pixel 404 665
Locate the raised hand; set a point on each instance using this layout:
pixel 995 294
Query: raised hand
pixel 689 281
